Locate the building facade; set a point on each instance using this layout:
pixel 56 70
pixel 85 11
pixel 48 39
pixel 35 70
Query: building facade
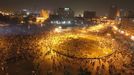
pixel 89 14
pixel 114 12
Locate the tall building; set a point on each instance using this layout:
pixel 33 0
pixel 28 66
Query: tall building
pixel 123 13
pixel 62 16
pixel 65 12
pixel 24 12
pixel 126 13
pixel 130 14
pixel 114 12
pixel 89 14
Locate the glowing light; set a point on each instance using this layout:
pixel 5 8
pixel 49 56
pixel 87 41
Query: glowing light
pixel 105 17
pixel 40 19
pixel 22 22
pixel 64 22
pixel 58 30
pixel 126 34
pixel 122 32
pixel 52 22
pixel 132 38
pixel 44 14
pixel 60 27
pixel 66 9
pixel 108 34
pixel 113 39
pixel 69 22
pixel 96 28
pixel 115 28
pixel 28 13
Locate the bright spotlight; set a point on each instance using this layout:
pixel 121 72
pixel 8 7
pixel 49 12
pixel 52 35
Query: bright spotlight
pixel 132 38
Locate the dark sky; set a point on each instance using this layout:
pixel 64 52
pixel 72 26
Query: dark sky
pixel 100 6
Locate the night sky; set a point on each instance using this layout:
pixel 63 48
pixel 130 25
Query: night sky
pixel 100 6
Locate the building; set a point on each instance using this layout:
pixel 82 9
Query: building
pixel 43 16
pixel 126 13
pixel 89 14
pixel 64 12
pixel 80 21
pixel 130 14
pixel 23 12
pixel 123 13
pixel 62 16
pixel 114 12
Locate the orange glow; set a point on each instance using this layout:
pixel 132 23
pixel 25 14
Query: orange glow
pixel 40 19
pixel 44 14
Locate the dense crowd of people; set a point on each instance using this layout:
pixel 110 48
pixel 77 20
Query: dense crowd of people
pixel 45 61
pixel 118 63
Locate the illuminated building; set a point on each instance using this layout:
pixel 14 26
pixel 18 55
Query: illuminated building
pixel 62 16
pixel 80 21
pixel 114 12
pixel 24 13
pixel 44 14
pixel 40 19
pixel 65 12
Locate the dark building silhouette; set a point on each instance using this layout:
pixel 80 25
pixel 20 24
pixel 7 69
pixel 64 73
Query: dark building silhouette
pixel 62 16
pixel 130 14
pixel 64 12
pixel 124 13
pixel 89 14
